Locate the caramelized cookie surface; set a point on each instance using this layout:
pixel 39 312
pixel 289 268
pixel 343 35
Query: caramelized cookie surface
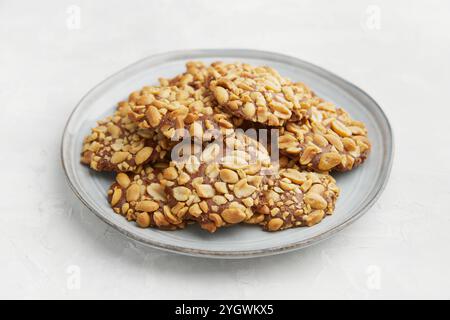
pixel 293 198
pixel 328 140
pixel 219 186
pixel 175 112
pixel 258 94
pixel 141 197
pixel 118 144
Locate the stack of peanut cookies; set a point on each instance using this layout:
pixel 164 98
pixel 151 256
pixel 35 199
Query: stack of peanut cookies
pixel 181 154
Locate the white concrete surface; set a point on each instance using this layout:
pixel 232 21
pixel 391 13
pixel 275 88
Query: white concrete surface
pixel 51 246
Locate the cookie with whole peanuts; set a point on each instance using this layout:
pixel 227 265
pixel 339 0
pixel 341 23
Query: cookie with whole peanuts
pixel 173 112
pixel 141 197
pixel 258 94
pixel 328 140
pixel 293 198
pixel 219 186
pixel 118 144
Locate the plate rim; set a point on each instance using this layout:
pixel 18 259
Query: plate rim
pixel 252 253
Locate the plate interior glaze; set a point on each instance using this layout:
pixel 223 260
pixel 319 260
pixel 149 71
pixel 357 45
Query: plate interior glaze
pixel 359 188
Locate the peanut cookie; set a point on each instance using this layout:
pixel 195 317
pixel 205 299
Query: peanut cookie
pixel 140 197
pixel 173 111
pixel 294 199
pixel 118 144
pixel 197 76
pixel 258 94
pixel 218 187
pixel 328 140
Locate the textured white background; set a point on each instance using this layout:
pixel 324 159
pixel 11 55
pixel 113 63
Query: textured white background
pixel 399 249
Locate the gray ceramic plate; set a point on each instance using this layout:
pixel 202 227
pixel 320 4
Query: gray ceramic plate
pixel 360 188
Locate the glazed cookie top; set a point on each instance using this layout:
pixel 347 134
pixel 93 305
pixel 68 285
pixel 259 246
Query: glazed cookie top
pixel 293 198
pixel 218 187
pixel 118 144
pixel 174 111
pixel 328 140
pixel 141 197
pixel 258 94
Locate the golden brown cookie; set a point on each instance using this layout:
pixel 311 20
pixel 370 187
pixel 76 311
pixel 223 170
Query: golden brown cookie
pixel 175 112
pixel 293 198
pixel 141 197
pixel 257 94
pixel 328 140
pixel 218 188
pixel 118 144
